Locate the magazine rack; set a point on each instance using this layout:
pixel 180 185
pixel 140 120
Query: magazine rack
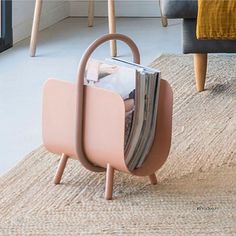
pixel 88 123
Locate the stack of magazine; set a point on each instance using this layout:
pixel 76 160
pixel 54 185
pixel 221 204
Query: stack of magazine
pixel 139 87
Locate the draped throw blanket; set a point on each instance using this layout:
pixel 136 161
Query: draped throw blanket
pixel 216 19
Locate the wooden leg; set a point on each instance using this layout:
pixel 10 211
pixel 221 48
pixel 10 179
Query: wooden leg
pixel 60 169
pixel 164 20
pixel 200 67
pixel 109 182
pixel 35 27
pixel 153 179
pixel 90 13
pixel 112 26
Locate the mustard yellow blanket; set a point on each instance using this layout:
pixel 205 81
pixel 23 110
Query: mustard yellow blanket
pixel 216 19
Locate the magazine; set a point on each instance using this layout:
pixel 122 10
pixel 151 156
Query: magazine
pixel 139 87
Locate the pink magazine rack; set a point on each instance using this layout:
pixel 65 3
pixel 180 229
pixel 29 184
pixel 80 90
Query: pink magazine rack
pixel 88 123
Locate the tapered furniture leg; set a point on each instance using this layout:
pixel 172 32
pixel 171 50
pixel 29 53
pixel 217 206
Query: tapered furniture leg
pixel 90 13
pixel 200 68
pixel 35 27
pixel 109 182
pixel 153 179
pixel 60 169
pixel 164 20
pixel 112 26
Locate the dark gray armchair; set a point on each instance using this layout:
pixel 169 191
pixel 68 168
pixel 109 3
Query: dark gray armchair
pixel 187 10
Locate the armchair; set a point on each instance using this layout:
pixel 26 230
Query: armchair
pixel 187 10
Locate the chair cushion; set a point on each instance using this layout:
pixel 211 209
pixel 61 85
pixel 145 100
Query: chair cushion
pixel 179 8
pixel 192 45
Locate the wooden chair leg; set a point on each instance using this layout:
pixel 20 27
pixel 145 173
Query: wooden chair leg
pixel 112 26
pixel 200 67
pixel 90 13
pixel 164 20
pixel 109 182
pixel 60 169
pixel 35 27
pixel 153 179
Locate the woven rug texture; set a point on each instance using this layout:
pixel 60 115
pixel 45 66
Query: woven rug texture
pixel 196 190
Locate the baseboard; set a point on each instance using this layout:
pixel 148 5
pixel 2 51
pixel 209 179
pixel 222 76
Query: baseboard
pixel 48 18
pixel 129 8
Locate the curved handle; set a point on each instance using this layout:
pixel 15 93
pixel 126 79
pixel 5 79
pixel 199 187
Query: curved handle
pixel 79 92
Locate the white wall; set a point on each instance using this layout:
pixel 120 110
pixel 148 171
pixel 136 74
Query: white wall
pixel 53 11
pixel 133 8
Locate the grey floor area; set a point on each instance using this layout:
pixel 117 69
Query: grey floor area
pixel 59 50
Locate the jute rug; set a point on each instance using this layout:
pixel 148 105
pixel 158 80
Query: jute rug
pixel 196 194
